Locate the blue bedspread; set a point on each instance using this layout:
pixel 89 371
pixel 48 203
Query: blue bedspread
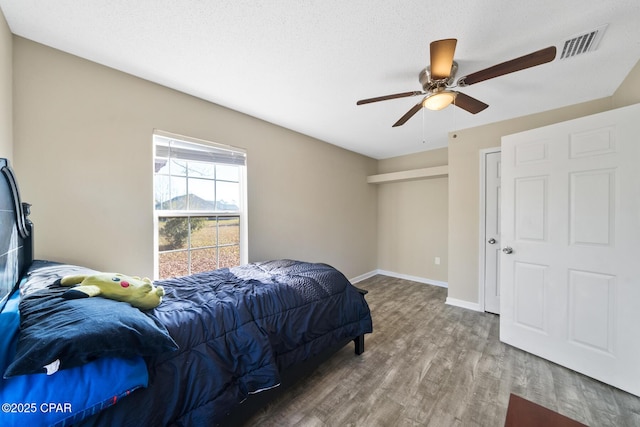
pixel 236 328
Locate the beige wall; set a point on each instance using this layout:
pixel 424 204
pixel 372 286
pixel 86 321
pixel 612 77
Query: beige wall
pixel 464 148
pixel 412 219
pixel 6 91
pixel 83 156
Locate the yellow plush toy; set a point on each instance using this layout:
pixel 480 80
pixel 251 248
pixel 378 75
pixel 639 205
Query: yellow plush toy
pixel 140 293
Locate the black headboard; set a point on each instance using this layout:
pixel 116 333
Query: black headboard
pixel 16 233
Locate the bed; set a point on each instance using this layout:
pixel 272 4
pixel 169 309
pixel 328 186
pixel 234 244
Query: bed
pixel 220 345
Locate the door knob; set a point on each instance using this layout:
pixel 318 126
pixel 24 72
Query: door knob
pixel 492 241
pixel 508 250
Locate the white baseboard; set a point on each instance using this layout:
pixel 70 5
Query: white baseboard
pixel 413 278
pixel 364 276
pixel 449 301
pixel 463 304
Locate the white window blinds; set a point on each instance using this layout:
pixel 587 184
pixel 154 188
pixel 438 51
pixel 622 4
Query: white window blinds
pixel 170 148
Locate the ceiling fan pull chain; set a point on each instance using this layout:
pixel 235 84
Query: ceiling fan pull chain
pixel 423 132
pixel 455 117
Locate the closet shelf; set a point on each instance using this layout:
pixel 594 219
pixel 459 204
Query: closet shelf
pixel 424 173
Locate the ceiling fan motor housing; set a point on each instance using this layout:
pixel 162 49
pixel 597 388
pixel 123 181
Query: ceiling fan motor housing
pixel 430 85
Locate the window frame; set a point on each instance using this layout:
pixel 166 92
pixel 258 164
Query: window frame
pixel 241 213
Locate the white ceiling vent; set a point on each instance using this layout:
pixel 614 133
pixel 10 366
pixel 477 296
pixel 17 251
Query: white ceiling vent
pixel 583 43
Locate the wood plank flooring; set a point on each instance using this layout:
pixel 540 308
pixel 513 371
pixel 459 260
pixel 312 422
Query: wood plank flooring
pixel 430 364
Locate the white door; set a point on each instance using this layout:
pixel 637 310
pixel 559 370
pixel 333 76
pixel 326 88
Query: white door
pixel 571 216
pixel 491 238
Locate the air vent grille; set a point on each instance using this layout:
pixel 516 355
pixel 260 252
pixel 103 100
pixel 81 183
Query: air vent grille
pixel 582 43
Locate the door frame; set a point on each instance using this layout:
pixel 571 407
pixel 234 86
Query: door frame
pixel 482 222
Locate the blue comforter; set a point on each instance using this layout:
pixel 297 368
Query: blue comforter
pixel 236 330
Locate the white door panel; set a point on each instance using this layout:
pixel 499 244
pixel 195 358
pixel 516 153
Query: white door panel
pixel 571 214
pixel 492 201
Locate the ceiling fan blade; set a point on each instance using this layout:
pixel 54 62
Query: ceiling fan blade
pixel 408 114
pixel 394 96
pixel 469 103
pixel 442 58
pixel 539 57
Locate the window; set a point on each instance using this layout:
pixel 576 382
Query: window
pixel 199 204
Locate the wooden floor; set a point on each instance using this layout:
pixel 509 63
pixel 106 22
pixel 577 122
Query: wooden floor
pixel 430 364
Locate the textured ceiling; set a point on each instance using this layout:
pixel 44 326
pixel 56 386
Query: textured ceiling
pixel 303 64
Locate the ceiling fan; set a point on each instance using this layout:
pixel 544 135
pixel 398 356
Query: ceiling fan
pixel 438 79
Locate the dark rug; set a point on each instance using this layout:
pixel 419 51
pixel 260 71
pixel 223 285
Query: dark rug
pixel 524 413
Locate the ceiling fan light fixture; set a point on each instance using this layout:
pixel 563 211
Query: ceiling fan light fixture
pixel 439 100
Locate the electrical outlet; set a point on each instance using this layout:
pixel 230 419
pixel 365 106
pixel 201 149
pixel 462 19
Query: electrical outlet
pixel 437 260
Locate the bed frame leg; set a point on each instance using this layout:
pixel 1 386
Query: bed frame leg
pixel 359 342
